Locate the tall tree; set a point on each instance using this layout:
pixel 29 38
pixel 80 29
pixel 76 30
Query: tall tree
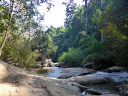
pixel 7 29
pixel 23 11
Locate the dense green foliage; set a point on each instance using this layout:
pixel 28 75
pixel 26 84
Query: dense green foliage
pixel 19 52
pixel 106 39
pixel 17 49
pixel 72 58
pixel 94 33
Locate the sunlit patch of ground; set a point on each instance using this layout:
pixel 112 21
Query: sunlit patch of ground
pixel 8 89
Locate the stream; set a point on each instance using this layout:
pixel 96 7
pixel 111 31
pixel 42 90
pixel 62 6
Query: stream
pixel 116 79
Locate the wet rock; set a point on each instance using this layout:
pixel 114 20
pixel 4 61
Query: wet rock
pixel 105 95
pixel 73 72
pixel 110 95
pixel 115 76
pixel 59 64
pixel 59 89
pixel 115 69
pixel 124 89
pixel 75 84
pixel 89 65
pixel 81 87
pixel 78 71
pixel 65 81
pixel 64 76
pixel 87 80
pixel 92 92
pixel 54 64
pixel 47 65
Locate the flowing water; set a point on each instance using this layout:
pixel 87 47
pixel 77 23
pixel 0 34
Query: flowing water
pixel 116 79
pixel 50 72
pixel 115 76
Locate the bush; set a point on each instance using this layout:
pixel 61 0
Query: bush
pixel 72 58
pixel 96 51
pixel 20 54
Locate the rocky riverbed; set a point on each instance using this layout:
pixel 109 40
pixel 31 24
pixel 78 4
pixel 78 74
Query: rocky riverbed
pixel 109 82
pixel 57 81
pixel 16 81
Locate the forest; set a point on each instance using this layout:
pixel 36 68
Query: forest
pixel 95 32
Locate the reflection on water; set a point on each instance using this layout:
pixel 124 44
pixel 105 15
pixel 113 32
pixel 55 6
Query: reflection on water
pixel 52 72
pixel 41 71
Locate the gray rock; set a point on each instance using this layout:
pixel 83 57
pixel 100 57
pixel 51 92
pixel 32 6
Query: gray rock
pixel 115 69
pixel 78 71
pixel 59 64
pixel 86 80
pixel 124 89
pixel 81 87
pixel 64 76
pixel 89 65
pixel 105 95
pixel 93 92
pixel 59 89
pixel 73 72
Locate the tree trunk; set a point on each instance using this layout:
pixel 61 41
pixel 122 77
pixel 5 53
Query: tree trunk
pixel 102 3
pixel 7 30
pixel 86 16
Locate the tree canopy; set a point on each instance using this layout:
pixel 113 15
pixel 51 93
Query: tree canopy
pixel 95 32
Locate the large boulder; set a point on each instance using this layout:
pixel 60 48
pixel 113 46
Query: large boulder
pixel 78 71
pixel 73 72
pixel 57 88
pixel 64 76
pixel 74 84
pixel 82 87
pixel 115 69
pixel 87 80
